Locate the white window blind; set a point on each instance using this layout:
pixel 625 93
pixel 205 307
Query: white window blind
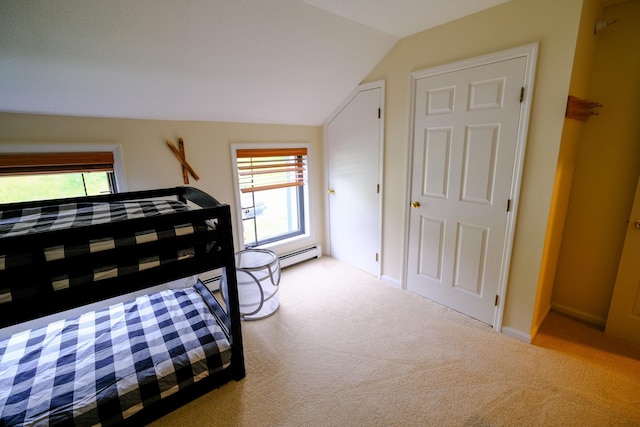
pixel 267 169
pixel 46 163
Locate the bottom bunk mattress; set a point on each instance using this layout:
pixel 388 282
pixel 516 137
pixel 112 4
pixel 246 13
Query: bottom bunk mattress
pixel 103 366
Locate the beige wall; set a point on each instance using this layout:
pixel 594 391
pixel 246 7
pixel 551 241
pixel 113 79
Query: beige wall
pixel 607 168
pixel 567 158
pixel 149 163
pixel 554 24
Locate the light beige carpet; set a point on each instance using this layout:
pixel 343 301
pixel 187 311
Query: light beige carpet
pixel 346 349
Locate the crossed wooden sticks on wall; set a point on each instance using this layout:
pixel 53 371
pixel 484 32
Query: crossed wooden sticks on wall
pixel 180 154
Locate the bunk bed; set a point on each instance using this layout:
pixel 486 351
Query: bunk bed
pixel 127 361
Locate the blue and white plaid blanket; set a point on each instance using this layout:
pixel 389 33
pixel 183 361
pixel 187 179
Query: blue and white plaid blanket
pixel 106 365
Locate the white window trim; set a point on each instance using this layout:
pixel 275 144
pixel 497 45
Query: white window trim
pixel 118 163
pixel 285 244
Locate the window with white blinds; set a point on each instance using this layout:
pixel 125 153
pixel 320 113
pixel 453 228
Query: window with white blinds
pixel 39 176
pixel 271 185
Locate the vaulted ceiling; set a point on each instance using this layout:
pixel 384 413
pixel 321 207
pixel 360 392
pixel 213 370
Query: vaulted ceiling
pixel 259 61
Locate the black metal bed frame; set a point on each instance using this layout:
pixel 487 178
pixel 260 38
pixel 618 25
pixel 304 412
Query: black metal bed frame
pixel 213 249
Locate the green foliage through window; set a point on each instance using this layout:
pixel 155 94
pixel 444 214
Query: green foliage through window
pixel 22 188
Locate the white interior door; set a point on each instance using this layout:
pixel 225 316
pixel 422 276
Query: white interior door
pixel 353 137
pixel 623 320
pixel 466 136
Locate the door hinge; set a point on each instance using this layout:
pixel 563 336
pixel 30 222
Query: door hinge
pixel 496 301
pixel 521 93
pixel 379 112
pixel 378 189
pixel 377 257
pixel 508 205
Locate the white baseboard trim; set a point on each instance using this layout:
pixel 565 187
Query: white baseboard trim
pixel 536 328
pixel 581 315
pixel 393 282
pixel 514 333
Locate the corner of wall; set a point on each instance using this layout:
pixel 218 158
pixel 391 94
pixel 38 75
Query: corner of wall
pixel 567 158
pixel 519 335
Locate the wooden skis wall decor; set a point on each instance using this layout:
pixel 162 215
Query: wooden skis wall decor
pixel 180 154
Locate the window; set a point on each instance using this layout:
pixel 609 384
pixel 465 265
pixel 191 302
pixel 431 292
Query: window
pixel 272 188
pixel 39 176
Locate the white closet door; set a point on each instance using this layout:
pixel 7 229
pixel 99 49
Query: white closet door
pixel 354 142
pixel 465 140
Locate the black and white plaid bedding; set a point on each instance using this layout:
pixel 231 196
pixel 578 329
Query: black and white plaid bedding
pixel 37 220
pixel 106 365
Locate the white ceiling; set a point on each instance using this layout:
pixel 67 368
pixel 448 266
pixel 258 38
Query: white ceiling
pixel 259 61
pixel 401 18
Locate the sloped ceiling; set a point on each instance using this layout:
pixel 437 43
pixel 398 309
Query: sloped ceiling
pixel 258 61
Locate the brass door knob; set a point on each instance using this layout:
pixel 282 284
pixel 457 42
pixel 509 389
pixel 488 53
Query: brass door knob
pixel 331 191
pixel 415 204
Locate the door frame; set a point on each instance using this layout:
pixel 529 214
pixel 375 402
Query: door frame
pixel 380 84
pixel 618 322
pixel 530 52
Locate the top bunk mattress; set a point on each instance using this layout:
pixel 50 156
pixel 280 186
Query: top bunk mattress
pixel 73 216
pixel 38 219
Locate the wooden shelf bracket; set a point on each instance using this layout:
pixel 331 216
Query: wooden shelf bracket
pixel 581 109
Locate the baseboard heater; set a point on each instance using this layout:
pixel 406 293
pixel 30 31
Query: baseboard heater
pixel 212 279
pixel 300 255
